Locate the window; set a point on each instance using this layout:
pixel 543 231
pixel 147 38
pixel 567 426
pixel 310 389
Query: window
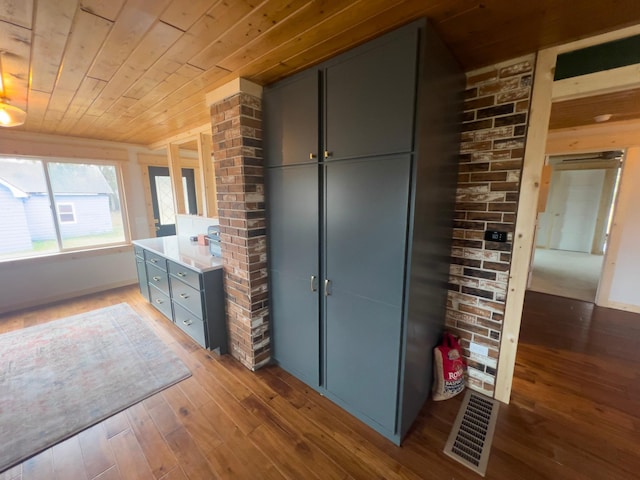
pixel 85 198
pixel 66 213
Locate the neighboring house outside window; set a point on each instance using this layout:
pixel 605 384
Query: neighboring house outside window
pixel 87 212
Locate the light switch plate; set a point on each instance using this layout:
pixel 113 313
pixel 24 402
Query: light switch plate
pixel 479 349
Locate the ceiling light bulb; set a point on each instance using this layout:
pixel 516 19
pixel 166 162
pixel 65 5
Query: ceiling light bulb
pixel 5 119
pixel 11 116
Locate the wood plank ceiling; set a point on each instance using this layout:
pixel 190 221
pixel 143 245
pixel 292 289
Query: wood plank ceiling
pixel 138 70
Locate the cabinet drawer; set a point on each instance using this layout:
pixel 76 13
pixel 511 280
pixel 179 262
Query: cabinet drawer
pixel 160 301
pixel 158 278
pixel 185 274
pixel 155 259
pixel 189 324
pixel 139 251
pixel 187 296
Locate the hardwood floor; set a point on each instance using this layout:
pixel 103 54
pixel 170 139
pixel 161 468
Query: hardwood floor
pixel 574 413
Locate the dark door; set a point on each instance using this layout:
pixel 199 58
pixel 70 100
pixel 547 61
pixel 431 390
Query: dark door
pixel 294 269
pixel 162 198
pixel 366 231
pixel 370 99
pixel 291 121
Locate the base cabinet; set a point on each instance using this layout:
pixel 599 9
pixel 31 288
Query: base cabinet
pixel 361 154
pixel 193 300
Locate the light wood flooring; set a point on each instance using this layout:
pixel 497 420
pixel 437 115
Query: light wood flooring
pixel 574 413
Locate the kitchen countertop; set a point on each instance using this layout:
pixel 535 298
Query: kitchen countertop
pixel 183 251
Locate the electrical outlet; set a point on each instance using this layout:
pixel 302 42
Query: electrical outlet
pixel 479 349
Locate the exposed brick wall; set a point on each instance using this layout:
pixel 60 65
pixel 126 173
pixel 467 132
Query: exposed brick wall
pixel 237 150
pixel 491 155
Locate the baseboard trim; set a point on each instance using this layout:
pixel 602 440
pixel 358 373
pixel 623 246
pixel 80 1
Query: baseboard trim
pixel 67 296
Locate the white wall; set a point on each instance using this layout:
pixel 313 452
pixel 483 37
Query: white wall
pixel 620 286
pixel 29 282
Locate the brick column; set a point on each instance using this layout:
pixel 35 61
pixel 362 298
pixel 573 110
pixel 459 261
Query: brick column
pixel 236 120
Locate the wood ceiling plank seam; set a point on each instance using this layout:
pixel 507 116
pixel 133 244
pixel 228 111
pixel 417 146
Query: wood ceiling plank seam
pixel 174 90
pixel 38 102
pixel 52 24
pixel 357 33
pixel 87 36
pixel 133 22
pixel 321 34
pixel 153 45
pixel 545 26
pixel 197 109
pixel 89 89
pixel 201 34
pixel 303 20
pixel 17 12
pixel 184 16
pixel 263 18
pixel 107 9
pixel 154 97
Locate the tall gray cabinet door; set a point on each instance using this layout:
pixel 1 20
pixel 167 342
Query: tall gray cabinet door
pixel 370 99
pixel 290 111
pixel 293 258
pixel 366 231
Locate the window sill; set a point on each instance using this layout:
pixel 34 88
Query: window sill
pixel 73 255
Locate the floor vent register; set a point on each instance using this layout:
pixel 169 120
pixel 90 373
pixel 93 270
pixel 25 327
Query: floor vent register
pixel 470 439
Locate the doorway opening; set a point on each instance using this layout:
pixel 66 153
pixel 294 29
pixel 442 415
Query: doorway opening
pixel 575 209
pixel 164 214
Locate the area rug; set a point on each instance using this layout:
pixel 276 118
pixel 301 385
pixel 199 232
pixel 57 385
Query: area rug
pixel 61 377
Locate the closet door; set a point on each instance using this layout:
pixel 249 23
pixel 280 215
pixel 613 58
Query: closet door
pixel 370 99
pixel 291 120
pixel 294 266
pixel 366 230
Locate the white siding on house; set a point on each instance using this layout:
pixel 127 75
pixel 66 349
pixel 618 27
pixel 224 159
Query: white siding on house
pixel 14 232
pixel 92 215
pixel 38 211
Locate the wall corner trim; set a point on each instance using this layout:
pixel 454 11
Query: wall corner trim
pixel 235 86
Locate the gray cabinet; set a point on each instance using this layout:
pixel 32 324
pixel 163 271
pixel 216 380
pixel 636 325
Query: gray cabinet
pixel 370 218
pixel 295 269
pixel 193 300
pixel 142 272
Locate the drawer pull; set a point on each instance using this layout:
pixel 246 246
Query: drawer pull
pixel 153 260
pixel 158 301
pixel 181 274
pixel 187 322
pixel 157 279
pixel 184 295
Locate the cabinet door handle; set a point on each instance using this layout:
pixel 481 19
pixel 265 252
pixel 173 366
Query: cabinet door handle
pixel 187 322
pixel 158 301
pixel 327 285
pixel 327 154
pixel 157 279
pixel 184 295
pixel 153 260
pixel 312 156
pixel 180 274
pixel 314 287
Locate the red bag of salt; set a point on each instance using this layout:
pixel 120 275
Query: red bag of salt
pixel 448 368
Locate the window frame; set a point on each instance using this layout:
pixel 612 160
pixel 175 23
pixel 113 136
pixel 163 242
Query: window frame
pixel 61 249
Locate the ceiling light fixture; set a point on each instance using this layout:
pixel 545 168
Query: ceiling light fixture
pixel 602 118
pixel 10 115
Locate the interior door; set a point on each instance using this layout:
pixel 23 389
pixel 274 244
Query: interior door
pixel 366 232
pixel 575 198
pixel 164 214
pixel 294 269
